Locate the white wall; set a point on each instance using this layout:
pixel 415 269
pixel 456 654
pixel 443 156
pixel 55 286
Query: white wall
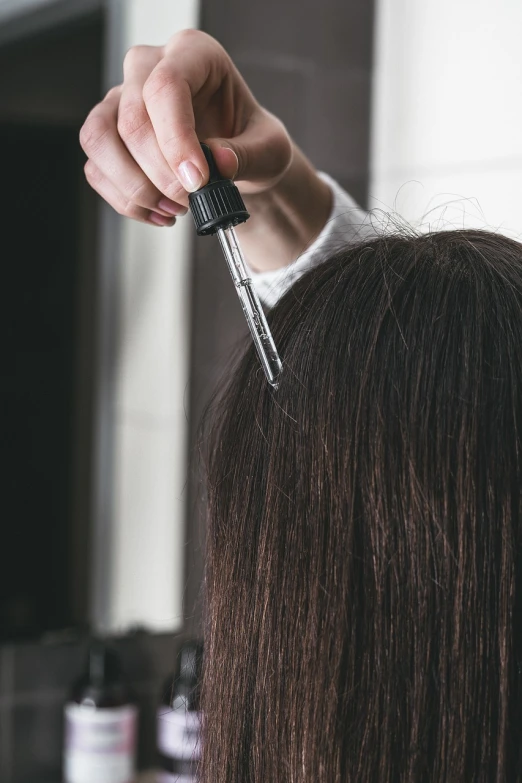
pixel 143 567
pixel 447 113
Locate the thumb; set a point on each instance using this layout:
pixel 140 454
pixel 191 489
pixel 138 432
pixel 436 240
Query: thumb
pixel 227 159
pixel 260 155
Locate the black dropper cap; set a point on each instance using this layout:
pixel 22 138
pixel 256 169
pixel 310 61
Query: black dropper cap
pixel 103 683
pixel 103 664
pixel 218 204
pixel 183 690
pixel 181 699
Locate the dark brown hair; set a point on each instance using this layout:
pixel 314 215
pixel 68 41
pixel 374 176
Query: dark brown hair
pixel 363 578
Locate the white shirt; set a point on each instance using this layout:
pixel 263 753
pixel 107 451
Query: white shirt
pixel 347 223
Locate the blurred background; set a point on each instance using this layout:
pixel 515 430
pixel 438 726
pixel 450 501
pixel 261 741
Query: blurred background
pixel 116 334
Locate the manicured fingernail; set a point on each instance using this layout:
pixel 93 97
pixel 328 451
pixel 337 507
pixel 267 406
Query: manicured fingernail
pixel 189 176
pixel 166 205
pixel 161 220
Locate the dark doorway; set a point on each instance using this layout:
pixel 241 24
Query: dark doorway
pixel 48 252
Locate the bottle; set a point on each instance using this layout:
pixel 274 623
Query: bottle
pixel 179 718
pixel 100 723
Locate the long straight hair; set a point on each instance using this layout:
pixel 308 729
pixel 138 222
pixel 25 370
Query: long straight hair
pixel 363 577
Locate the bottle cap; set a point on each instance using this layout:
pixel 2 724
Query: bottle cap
pixel 218 204
pixel 190 661
pixel 182 689
pixel 103 665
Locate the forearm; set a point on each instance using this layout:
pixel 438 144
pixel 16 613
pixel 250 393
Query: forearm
pixel 287 218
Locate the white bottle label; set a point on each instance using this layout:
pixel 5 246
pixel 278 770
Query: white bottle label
pixel 100 744
pixel 178 733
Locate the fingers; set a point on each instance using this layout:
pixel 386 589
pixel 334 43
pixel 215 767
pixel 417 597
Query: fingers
pixel 135 128
pixel 142 139
pixel 226 159
pixel 260 154
pixel 193 62
pixel 196 84
pixel 107 190
pixel 101 142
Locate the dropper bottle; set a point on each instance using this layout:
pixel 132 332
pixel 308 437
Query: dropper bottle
pixel 100 722
pixel 179 721
pixel 217 208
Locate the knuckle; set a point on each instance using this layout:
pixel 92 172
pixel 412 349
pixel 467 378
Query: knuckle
pixel 172 150
pixel 119 207
pixel 133 121
pixel 92 173
pixel 124 206
pixel 187 36
pixel 174 146
pixel 131 210
pixel 137 192
pixel 171 188
pixel 160 81
pixel 94 132
pixel 132 57
pixel 113 92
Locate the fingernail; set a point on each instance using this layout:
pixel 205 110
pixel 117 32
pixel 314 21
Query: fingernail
pixel 235 156
pixel 190 177
pixel 171 207
pixel 161 220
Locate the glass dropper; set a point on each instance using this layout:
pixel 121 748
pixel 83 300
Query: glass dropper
pixel 251 305
pixel 217 208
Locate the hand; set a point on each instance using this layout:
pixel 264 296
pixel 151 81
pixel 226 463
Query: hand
pixel 142 140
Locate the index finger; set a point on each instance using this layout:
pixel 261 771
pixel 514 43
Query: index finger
pixel 168 94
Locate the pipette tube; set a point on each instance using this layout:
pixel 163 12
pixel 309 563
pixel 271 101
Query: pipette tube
pixel 252 308
pixel 216 208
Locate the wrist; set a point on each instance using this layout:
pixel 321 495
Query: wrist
pixel 286 218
